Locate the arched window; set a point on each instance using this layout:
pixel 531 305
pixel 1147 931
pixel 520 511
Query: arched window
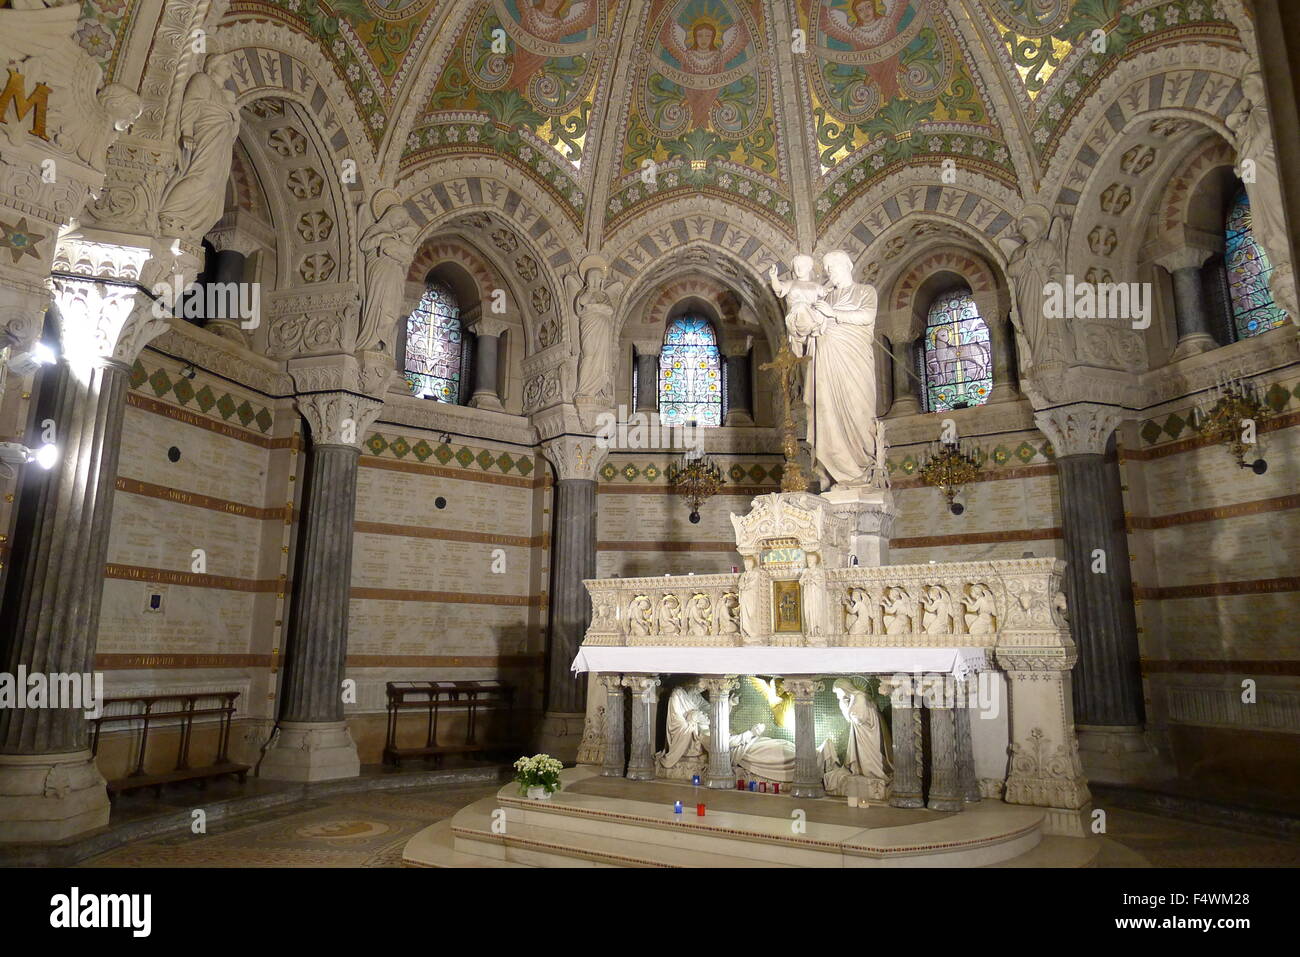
pixel 1251 302
pixel 690 373
pixel 956 356
pixel 434 346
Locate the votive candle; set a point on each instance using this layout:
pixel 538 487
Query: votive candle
pixel 699 810
pixel 677 807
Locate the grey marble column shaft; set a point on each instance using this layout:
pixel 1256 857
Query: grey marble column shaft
pixel 573 559
pixel 485 366
pixel 807 763
pixel 906 735
pixel 1107 680
pixel 905 388
pixel 1190 316
pixel 647 382
pixel 1001 336
pixel 56 584
pixel 740 398
pixel 615 762
pixel 945 788
pixel 967 781
pixel 318 629
pixel 645 701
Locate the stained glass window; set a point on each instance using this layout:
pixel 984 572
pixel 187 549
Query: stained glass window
pixel 433 346
pixel 690 373
pixel 1253 309
pixel 957 361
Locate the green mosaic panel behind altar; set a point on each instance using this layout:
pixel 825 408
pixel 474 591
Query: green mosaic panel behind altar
pixel 753 709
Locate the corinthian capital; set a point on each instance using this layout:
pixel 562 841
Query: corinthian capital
pixel 803 689
pixel 1079 429
pixel 575 456
pixel 338 418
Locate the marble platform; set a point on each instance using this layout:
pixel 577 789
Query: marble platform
pixel 596 821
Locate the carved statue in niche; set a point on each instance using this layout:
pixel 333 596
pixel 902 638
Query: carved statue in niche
pixel 857 612
pixel 812 580
pixel 900 611
pixel 768 758
pixel 699 616
pixel 835 777
pixel 1249 121
pixel 1031 266
pixel 940 613
pixel 867 751
pixel 728 614
pixel 640 616
pixel 387 248
pixel 670 615
pixel 687 726
pixel 195 196
pixel 979 610
pixel 593 304
pixel 750 587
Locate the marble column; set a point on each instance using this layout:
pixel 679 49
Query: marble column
pixel 314 743
pixel 1190 315
pixel 647 380
pixel 615 762
pixel 575 460
pixel 905 732
pixel 807 763
pixel 1001 337
pixel 945 786
pixel 488 331
pixel 905 387
pixel 1107 683
pixel 645 706
pixel 50 788
pixel 233 243
pixel 740 389
pixel 720 770
pixel 967 781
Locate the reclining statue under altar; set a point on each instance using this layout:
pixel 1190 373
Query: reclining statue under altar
pixel 689 741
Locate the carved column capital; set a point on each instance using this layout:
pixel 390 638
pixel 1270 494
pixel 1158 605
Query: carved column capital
pixel 575 456
pixel 716 685
pixel 486 324
pixel 1079 429
pixel 644 686
pixel 612 682
pixel 338 418
pixel 803 688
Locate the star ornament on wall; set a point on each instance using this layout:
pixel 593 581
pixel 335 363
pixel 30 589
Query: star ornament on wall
pixel 18 240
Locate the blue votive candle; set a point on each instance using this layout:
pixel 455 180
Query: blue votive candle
pixel 753 785
pixel 695 779
pixel 677 807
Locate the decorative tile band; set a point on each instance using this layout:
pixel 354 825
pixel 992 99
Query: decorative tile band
pixel 182 390
pixel 1262 506
pixel 137 401
pixel 463 475
pixel 1167 428
pixel 484 460
pixel 182 497
pixel 164 576
pixel 133 662
pixel 987 475
pixel 1258 586
pixel 747 491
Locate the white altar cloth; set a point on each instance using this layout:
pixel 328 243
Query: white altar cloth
pixel 766 660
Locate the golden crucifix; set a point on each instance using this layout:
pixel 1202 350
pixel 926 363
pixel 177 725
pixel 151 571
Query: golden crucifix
pixel 787 365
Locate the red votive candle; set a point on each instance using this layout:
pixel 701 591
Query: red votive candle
pixel 740 784
pixel 699 810
pixel 776 788
pixel 763 787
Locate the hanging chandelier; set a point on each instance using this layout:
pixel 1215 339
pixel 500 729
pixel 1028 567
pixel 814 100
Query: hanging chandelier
pixel 948 467
pixel 1232 416
pixel 697 479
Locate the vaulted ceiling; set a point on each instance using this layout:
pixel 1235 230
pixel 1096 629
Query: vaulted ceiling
pixel 789 109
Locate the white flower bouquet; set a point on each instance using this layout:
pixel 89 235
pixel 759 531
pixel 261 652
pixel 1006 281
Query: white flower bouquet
pixel 539 771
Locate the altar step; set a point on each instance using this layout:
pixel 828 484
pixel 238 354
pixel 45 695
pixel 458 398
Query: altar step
pixel 606 822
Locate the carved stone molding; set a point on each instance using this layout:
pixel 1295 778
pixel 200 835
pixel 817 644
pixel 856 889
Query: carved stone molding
pixel 1081 429
pixel 575 456
pixel 338 418
pixel 304 322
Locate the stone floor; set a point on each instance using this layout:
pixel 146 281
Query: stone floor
pixel 369 829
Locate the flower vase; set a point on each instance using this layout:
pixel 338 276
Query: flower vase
pixel 539 794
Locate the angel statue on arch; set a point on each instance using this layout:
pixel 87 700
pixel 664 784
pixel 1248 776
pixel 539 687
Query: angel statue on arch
pixel 593 297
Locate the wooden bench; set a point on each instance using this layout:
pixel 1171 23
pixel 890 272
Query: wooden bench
pixel 435 697
pixel 183 708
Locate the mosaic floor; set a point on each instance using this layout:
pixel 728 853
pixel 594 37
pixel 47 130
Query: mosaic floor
pixel 370 829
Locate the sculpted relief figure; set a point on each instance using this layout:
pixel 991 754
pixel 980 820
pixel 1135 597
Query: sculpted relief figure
pixel 940 616
pixel 867 753
pixel 593 304
pixel 387 248
pixel 812 581
pixel 840 383
pixel 670 615
pixel 640 617
pixel 699 616
pixel 900 611
pixel 1032 265
pixel 857 620
pixel 750 587
pixel 687 725
pixel 979 610
pixel 802 320
pixel 1249 121
pixel 195 196
pixel 728 614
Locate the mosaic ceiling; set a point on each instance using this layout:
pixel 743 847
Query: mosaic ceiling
pixel 738 99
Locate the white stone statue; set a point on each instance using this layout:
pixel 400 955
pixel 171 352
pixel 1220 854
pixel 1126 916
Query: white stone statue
pixel 728 614
pixel 387 245
pixel 857 613
pixel 867 751
pixel 840 386
pixel 802 319
pixel 979 610
pixel 593 304
pixel 835 777
pixel 812 584
pixel 195 197
pixel 687 727
pixel 940 614
pixel 900 611
pixel 750 587
pixel 699 616
pixel 1249 122
pixel 640 616
pixel 769 758
pixel 670 615
pixel 1031 266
